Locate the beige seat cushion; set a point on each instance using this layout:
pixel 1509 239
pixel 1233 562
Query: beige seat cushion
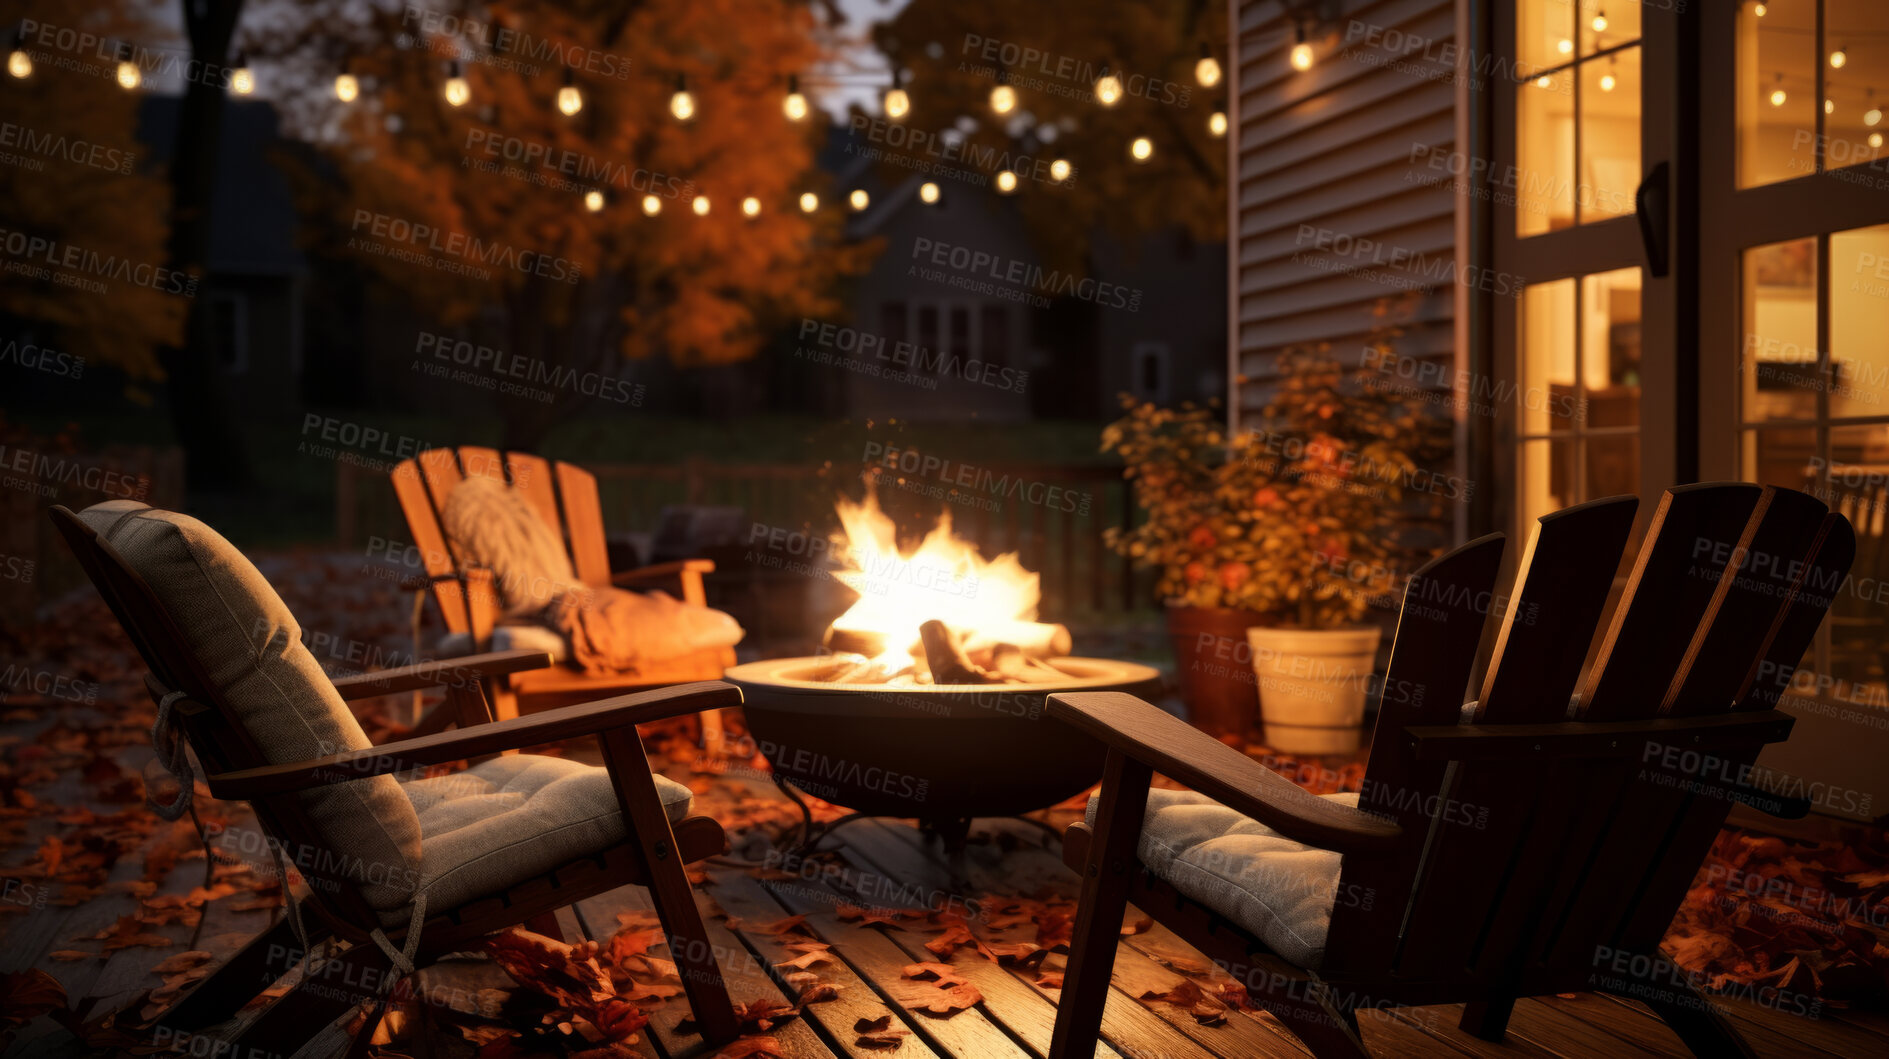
pixel 250 647
pixel 503 821
pixel 1280 891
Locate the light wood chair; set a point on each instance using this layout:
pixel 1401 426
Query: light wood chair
pixel 1529 849
pixel 565 496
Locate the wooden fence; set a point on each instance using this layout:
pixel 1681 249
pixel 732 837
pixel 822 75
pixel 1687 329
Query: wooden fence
pixel 1052 516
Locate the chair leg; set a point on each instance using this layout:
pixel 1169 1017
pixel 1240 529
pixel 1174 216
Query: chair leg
pixel 339 984
pixel 1693 1018
pixel 1098 926
pixel 1487 1019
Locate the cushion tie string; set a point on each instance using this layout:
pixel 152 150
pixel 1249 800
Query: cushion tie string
pixel 174 755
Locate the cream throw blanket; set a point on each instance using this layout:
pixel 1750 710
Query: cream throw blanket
pixel 609 630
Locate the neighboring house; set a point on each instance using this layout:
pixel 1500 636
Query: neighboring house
pixel 253 293
pixel 1490 159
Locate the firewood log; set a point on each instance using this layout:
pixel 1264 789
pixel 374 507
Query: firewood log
pixel 946 658
pixel 1036 639
pixel 856 641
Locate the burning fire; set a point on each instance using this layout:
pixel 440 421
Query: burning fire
pixel 985 603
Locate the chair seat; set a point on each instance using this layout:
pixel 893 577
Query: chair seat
pixel 503 821
pixel 508 638
pixel 1280 891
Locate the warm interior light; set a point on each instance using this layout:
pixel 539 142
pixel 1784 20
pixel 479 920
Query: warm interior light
pixel 1829 106
pixel 1003 99
pixel 1059 170
pixel 809 202
pixel 457 90
pixel 19 64
pixel 1108 89
pixel 682 104
pixel 1607 82
pixel 652 205
pixel 928 192
pixel 347 88
pixel 1600 22
pixel 1837 59
pixel 1778 97
pixel 242 78
pixel 859 199
pixel 1207 71
pixel 1006 181
pixel 1564 46
pixel 1142 149
pixel 700 205
pixel 897 104
pixel 593 200
pixel 751 206
pixel 570 100
pixel 1875 139
pixel 1872 116
pixel 129 76
pixel 794 106
pixel 1544 81
pixel 1217 123
pixel 1301 56
pixel 1760 10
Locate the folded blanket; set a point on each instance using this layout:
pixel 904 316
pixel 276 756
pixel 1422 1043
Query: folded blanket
pixel 609 630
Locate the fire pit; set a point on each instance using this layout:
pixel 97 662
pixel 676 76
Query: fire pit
pixel 930 703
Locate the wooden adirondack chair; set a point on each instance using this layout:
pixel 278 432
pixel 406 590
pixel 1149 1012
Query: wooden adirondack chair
pixel 566 497
pixel 1514 854
pixel 270 729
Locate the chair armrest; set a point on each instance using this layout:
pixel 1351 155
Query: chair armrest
pixel 590 718
pixel 681 568
pixel 1182 752
pixel 446 672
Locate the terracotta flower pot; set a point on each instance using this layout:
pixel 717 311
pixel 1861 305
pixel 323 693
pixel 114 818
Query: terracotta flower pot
pixel 1312 686
pixel 1215 666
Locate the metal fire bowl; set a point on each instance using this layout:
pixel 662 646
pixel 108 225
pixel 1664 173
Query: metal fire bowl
pixel 939 752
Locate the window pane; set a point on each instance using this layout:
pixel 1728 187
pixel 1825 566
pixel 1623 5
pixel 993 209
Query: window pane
pixel 1610 353
pixel 1860 30
pixel 1544 154
pixel 1612 466
pixel 993 333
pixel 1855 483
pixel 1777 89
pixel 1859 321
pixel 1544 33
pixel 1610 134
pixel 1781 376
pixel 1781 456
pixel 1550 399
pixel 1547 477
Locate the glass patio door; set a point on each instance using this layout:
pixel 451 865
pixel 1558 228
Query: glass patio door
pixel 1581 353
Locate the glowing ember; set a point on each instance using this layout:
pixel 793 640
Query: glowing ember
pixel 985 603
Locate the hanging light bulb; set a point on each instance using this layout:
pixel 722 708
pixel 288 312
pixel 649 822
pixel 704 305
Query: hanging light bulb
pixel 700 205
pixel 1875 139
pixel 1003 98
pixel 1217 123
pixel 1608 80
pixel 458 92
pixel 652 205
pixel 347 87
pixel 1544 81
pixel 242 78
pixel 897 103
pixel 1006 181
pixel 1059 170
pixel 129 76
pixel 928 193
pixel 1777 94
pixel 859 199
pixel 1564 46
pixel 1838 58
pixel 593 200
pixel 682 104
pixel 19 64
pixel 1760 10
pixel 1600 21
pixel 1872 116
pixel 1301 53
pixel 795 104
pixel 1207 70
pixel 570 100
pixel 809 202
pixel 1829 106
pixel 1141 149
pixel 1108 88
pixel 751 206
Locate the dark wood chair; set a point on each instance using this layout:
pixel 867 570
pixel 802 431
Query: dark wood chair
pixel 1525 849
pixel 336 905
pixel 565 496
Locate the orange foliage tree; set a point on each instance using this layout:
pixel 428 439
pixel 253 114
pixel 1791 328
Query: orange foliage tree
pixel 501 182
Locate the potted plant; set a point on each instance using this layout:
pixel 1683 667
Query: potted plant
pixel 1272 544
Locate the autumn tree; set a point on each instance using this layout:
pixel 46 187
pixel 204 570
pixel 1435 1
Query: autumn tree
pixel 953 53
pixel 508 176
pixel 76 180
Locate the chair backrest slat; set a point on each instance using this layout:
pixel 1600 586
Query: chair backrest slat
pixel 1446 605
pixel 531 477
pixel 1823 582
pixel 429 536
pixel 583 521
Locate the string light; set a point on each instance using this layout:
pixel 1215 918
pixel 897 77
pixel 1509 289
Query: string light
pixel 1608 80
pixel 1871 117
pixel 928 192
pixel 1875 139
pixel 1003 98
pixel 1059 170
pixel 1217 123
pixel 700 205
pixel 457 90
pixel 751 206
pixel 570 100
pixel 1142 149
pixel 1006 181
pixel 1564 46
pixel 242 79
pixel 1301 53
pixel 1761 10
pixel 1207 70
pixel 809 202
pixel 1600 21
pixel 19 64
pixel 1544 81
pixel 652 205
pixel 1108 88
pixel 593 200
pixel 682 104
pixel 1829 106
pixel 794 105
pixel 1777 94
pixel 347 87
pixel 859 199
pixel 129 76
pixel 897 103
pixel 1838 58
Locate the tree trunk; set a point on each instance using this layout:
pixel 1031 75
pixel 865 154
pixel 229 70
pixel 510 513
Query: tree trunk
pixel 200 408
